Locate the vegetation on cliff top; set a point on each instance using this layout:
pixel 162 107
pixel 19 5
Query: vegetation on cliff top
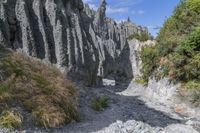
pixel 144 36
pixel 176 54
pixel 40 89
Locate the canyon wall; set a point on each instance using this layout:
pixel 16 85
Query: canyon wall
pixel 82 42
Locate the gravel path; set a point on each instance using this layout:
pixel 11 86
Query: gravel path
pixel 125 114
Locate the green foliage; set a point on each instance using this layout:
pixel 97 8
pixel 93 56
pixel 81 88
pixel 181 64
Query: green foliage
pixel 179 25
pixel 141 80
pixel 148 56
pixel 177 52
pixel 191 45
pixel 186 59
pixel 141 37
pixel 10 120
pixel 191 85
pixel 194 5
pixel 178 41
pixel 99 103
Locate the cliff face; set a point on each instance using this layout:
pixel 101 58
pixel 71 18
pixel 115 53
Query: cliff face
pixel 84 43
pixel 118 57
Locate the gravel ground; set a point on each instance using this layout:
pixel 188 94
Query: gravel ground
pixel 125 114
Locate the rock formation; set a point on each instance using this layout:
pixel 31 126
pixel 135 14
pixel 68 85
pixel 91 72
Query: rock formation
pixel 117 55
pixel 82 42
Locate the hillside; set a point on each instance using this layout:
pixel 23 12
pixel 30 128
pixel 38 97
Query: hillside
pixel 30 88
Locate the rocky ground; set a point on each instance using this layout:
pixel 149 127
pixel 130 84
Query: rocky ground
pixel 125 114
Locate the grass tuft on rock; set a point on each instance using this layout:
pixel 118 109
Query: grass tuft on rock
pixel 11 120
pixel 41 89
pixel 140 80
pixel 99 103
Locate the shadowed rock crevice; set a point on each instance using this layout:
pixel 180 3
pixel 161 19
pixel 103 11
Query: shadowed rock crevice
pixel 49 36
pixel 36 25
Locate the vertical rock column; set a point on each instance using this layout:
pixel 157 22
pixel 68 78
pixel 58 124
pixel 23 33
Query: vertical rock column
pixel 4 27
pixel 38 12
pixel 99 20
pixel 54 14
pixel 22 15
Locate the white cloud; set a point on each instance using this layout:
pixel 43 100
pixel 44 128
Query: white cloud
pixel 150 27
pixel 120 20
pixel 126 2
pixel 87 1
pixel 111 10
pixel 93 6
pixel 119 6
pixel 138 12
pixel 154 27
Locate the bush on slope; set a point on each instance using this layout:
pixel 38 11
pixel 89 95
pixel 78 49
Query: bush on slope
pixel 41 89
pixel 176 54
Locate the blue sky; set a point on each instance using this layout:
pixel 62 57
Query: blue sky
pixel 150 13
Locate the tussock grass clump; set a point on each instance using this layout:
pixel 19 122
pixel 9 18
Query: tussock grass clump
pixel 141 80
pixel 41 89
pixel 191 89
pixel 10 119
pixel 99 103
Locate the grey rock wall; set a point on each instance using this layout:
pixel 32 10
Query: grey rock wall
pixel 117 55
pixel 84 43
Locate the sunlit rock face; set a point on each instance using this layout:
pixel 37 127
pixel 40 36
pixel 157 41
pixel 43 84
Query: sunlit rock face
pixel 85 43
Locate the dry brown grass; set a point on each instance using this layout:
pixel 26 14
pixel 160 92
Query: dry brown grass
pixel 42 89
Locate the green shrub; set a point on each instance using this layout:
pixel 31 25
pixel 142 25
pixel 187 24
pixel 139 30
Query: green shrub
pixel 191 44
pixel 141 80
pixel 99 103
pixel 179 42
pixel 141 37
pixel 148 56
pixel 177 52
pixel 194 5
pixel 186 59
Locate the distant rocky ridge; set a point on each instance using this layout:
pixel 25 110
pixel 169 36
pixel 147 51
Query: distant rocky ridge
pixel 84 43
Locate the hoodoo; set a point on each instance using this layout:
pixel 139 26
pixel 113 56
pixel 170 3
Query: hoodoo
pixel 78 40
